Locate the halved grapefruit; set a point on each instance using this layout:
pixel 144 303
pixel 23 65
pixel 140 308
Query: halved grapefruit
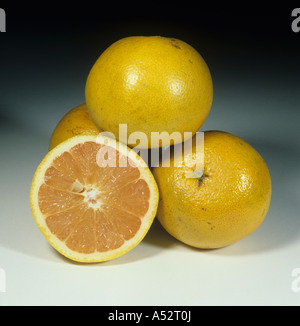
pixel 93 198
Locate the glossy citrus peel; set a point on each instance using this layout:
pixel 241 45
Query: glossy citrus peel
pixel 153 85
pixel 217 206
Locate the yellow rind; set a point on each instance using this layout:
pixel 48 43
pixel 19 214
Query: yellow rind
pixel 156 85
pixel 228 203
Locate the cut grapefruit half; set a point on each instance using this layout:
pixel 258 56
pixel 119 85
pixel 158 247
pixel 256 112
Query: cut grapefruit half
pixel 93 198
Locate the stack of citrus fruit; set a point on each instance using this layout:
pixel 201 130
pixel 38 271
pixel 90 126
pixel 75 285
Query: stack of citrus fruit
pixel 94 198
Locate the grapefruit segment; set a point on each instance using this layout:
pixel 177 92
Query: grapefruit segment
pixel 61 224
pixel 89 209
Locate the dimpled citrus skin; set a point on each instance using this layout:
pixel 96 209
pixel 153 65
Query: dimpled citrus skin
pixel 226 204
pixel 152 84
pixel 75 122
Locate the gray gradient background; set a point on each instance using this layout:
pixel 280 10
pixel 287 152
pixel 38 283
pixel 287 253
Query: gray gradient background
pixel 254 62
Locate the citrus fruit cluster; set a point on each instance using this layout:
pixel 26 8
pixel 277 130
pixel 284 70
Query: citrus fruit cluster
pixel 94 198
